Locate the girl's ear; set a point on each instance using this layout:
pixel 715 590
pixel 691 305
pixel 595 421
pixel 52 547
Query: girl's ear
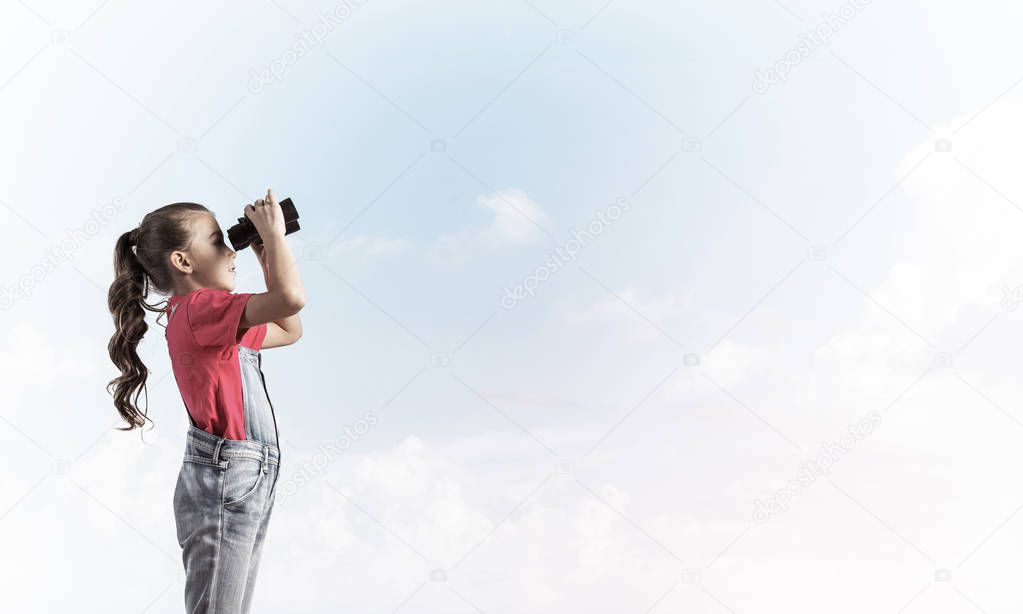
pixel 181 262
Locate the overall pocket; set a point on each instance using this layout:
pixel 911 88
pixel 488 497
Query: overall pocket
pixel 198 490
pixel 242 479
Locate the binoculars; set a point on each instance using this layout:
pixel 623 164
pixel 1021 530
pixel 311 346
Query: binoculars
pixel 244 232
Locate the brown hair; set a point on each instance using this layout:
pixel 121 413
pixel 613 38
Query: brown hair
pixel 141 263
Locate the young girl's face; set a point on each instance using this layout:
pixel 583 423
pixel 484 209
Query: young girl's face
pixel 212 258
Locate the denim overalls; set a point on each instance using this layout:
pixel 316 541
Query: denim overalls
pixel 223 498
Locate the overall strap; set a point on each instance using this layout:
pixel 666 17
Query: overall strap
pixel 188 413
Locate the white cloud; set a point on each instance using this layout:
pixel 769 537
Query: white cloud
pixel 732 362
pixel 515 220
pixel 940 467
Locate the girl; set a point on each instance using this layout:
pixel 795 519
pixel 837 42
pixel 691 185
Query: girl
pixel 226 484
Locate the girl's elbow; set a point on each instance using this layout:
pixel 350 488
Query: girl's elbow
pixel 295 302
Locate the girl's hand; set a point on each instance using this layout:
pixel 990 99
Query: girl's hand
pixel 266 216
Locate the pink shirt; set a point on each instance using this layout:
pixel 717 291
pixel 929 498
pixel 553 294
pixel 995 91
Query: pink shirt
pixel 203 335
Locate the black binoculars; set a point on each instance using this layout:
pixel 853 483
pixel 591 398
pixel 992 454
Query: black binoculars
pixel 244 233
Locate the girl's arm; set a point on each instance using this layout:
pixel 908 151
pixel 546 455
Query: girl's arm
pixel 280 332
pixel 285 295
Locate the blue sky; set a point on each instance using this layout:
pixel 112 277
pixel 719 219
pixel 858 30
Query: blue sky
pixel 406 250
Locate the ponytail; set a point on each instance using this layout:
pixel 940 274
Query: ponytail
pixel 140 264
pixel 125 299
